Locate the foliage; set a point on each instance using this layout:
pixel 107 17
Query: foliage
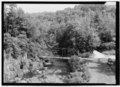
pixel 77 77
pixel 108 46
pixel 79 70
pixel 14 20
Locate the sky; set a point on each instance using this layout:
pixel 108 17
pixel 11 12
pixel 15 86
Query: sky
pixel 34 8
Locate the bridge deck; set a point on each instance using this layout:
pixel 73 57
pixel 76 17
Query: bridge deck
pixel 53 57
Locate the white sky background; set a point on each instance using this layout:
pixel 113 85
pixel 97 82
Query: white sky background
pixel 34 8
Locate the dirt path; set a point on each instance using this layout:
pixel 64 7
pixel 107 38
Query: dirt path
pixel 101 73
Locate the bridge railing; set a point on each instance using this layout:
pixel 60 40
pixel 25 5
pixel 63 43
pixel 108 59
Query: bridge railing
pixel 63 51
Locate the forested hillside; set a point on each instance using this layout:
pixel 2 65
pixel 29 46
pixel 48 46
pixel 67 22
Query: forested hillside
pixel 75 31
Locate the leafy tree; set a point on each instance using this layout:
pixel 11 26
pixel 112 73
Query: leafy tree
pixel 14 20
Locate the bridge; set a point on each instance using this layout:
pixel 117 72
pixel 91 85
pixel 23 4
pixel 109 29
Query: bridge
pixel 67 58
pixel 97 56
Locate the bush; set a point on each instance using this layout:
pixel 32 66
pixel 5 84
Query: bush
pixel 78 77
pixel 11 70
pixel 75 77
pixel 76 64
pixel 107 46
pixel 79 70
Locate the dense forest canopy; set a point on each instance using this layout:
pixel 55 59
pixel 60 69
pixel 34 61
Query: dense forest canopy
pixel 78 30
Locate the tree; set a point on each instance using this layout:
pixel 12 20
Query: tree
pixel 14 20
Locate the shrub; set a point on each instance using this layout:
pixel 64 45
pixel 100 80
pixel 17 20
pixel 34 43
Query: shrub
pixel 77 77
pixel 107 46
pixel 76 64
pixel 79 70
pixel 11 70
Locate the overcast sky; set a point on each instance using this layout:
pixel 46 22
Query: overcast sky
pixel 34 8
